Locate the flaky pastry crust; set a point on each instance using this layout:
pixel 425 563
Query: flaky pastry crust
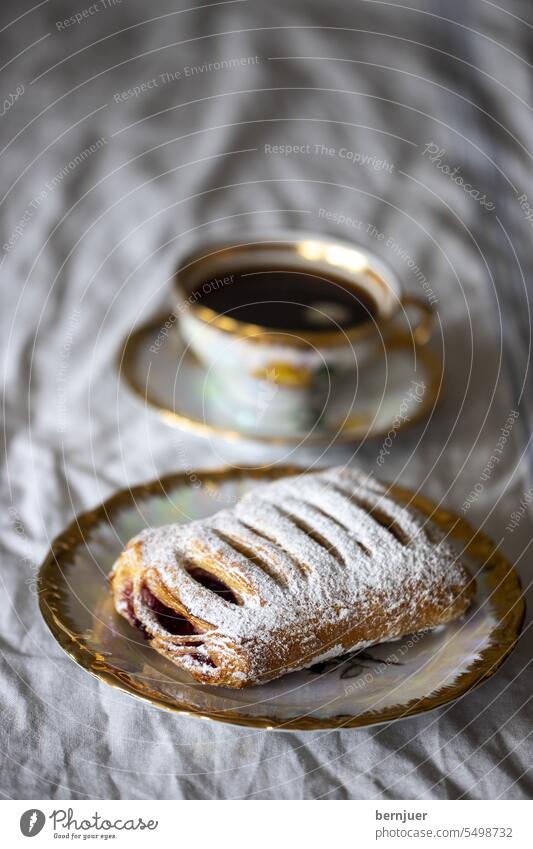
pixel 301 569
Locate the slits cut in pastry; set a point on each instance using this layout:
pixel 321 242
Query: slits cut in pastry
pixel 300 569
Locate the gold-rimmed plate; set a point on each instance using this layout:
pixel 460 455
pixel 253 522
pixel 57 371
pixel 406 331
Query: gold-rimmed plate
pixel 395 391
pixel 382 684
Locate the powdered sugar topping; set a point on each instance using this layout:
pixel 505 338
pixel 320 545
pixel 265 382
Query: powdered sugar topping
pixel 311 548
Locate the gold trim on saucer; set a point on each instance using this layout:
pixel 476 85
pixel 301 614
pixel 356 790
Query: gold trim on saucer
pixel 503 581
pixel 354 429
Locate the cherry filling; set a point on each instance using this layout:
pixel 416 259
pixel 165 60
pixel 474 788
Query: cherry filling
pixel 127 595
pixel 171 621
pixel 175 624
pixel 168 619
pixel 214 584
pixel 204 659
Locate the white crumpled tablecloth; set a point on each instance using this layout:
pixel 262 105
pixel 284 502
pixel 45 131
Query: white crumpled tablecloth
pixel 90 251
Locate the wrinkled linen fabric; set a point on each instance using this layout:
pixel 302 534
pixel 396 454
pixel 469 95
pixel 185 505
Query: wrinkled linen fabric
pixel 394 85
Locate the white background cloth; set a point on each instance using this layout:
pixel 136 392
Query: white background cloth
pixel 94 255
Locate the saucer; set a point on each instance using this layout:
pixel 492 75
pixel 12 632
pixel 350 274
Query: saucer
pixel 395 391
pixel 380 684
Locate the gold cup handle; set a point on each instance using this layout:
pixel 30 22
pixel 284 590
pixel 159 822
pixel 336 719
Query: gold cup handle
pixel 421 328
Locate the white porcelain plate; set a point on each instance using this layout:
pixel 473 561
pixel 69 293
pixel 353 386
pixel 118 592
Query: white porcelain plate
pixel 383 683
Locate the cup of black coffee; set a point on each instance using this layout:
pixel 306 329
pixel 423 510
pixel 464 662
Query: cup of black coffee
pixel 282 322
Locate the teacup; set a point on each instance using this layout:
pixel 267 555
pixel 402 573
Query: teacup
pixel 284 321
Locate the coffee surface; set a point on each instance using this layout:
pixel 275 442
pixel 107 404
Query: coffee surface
pixel 289 300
